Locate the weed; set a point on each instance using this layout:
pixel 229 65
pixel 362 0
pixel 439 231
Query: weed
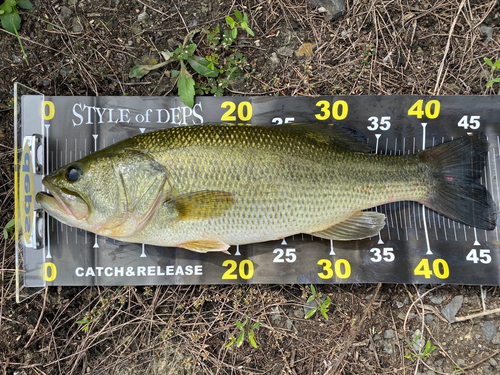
pixel 11 21
pixel 241 22
pixel 322 305
pixel 8 229
pixel 217 74
pixel 241 337
pixel 185 82
pixel 426 350
pixel 494 66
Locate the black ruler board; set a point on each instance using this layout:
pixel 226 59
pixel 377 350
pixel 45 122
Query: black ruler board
pixel 416 246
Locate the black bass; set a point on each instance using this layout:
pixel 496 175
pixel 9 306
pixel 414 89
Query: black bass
pixel 204 188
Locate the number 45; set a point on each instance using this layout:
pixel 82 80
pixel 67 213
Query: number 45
pixel 484 256
pixel 472 123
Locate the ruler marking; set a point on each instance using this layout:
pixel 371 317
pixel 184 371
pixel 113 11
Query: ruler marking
pixel 444 229
pixel 494 174
pixel 429 252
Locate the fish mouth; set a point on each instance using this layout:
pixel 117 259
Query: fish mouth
pixel 62 203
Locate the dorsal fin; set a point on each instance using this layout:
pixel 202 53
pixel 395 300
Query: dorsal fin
pixel 340 135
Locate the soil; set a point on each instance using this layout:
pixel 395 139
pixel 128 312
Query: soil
pixel 83 47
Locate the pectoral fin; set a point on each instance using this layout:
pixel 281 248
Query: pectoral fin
pixel 200 205
pixel 362 225
pixel 203 246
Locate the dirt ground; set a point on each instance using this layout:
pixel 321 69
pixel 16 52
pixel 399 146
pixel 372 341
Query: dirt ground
pixel 87 47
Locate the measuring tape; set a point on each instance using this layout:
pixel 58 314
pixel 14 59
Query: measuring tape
pixel 416 246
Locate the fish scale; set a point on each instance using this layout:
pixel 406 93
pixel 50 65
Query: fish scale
pixel 285 182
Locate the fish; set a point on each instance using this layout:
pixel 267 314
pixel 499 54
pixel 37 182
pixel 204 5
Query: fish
pixel 207 187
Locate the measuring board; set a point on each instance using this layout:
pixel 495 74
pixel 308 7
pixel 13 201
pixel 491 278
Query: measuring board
pixel 416 246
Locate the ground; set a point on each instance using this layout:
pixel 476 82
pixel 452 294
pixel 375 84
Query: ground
pixel 82 47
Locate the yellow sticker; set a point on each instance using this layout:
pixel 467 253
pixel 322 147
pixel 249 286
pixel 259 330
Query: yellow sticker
pixel 27 193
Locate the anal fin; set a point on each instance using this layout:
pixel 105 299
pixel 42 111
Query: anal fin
pixel 363 224
pixel 203 246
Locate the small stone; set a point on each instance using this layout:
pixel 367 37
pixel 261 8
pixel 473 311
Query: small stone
pixel 65 71
pixel 389 334
pixel 377 337
pixel 275 314
pixel 299 313
pixel 65 13
pixel 136 29
pixel 387 347
pixel 486 32
pixel 306 50
pixel 77 27
pixel 451 309
pixel 16 59
pixel 487 369
pixel 334 8
pixel 289 324
pixel 274 59
pixel 437 300
pixel 285 51
pixel 439 362
pixel 489 330
pixel 143 17
pixel 428 318
pixel 460 362
pixel 493 362
pixel 496 339
pixel 193 23
pixel 399 304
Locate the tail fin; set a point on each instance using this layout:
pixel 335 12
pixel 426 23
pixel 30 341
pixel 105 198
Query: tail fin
pixel 456 169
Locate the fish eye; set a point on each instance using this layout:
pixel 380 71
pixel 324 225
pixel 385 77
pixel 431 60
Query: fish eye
pixel 73 173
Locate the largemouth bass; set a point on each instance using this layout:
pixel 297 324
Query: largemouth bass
pixel 207 187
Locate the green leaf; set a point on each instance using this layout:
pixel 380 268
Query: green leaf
pixel 249 31
pixel 239 325
pixel 83 321
pixel 7 6
pixel 497 64
pixel 324 311
pixel 25 4
pixel 5 234
pixel 202 66
pixel 489 83
pixel 230 22
pixel 313 289
pixel 488 61
pixel 185 86
pixel 191 48
pixel 252 340
pixel 10 224
pixel 255 326
pixel 240 339
pixel 311 313
pixel 310 299
pixel 11 22
pixel 174 73
pixel 233 340
pixel 234 33
pixel 238 15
